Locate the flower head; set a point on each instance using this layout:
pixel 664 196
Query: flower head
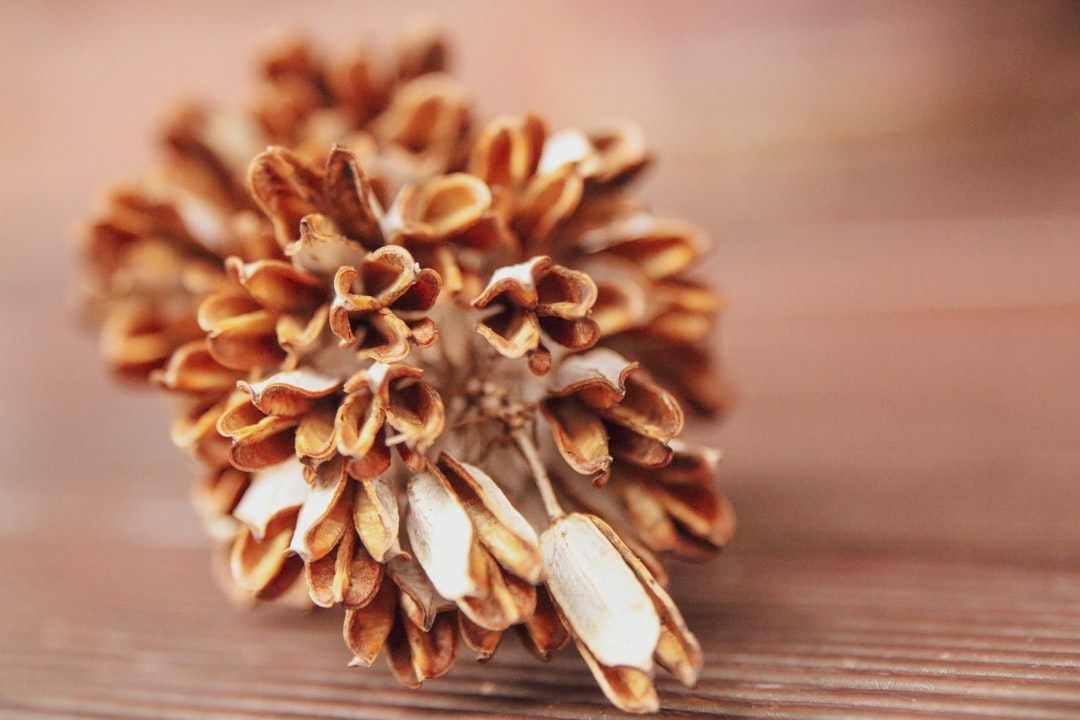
pixel 434 373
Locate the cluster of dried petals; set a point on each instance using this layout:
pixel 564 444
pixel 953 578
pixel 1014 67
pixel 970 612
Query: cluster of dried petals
pixel 436 374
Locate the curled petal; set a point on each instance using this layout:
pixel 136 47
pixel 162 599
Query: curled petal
pixel 359 419
pixel 517 282
pixel 659 248
pixel 417 413
pixel 636 448
pixel 348 575
pixel 580 436
pixel 416 654
pixel 628 688
pixel 480 640
pixel 441 208
pixel 513 333
pixel 192 369
pixel 276 284
pixel 564 293
pixel 598 377
pixel 507 151
pixel 316 440
pixel 420 601
pixel 349 193
pixel 646 408
pixel 544 633
pixel 690 465
pixel 322 249
pixel 286 190
pixel 290 393
pixel 548 200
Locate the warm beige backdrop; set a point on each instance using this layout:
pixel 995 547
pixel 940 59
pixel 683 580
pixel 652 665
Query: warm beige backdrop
pixel 894 192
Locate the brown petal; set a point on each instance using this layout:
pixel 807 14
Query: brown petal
pixel 316 441
pixel 647 408
pixel 416 655
pixel 268 441
pixel 580 436
pixel 572 334
pixel 548 200
pixel 647 513
pixel 192 369
pixel 543 634
pixel 497 607
pixel 690 465
pixel 441 208
pixel 701 509
pixel 597 377
pixel 285 189
pixel 322 249
pixel 503 530
pixel 518 283
pixel 349 193
pixel 219 492
pixel 366 628
pixel 197 433
pixel 276 284
pixel 290 393
pixel 564 293
pixel 659 248
pixel 416 411
pixel 359 419
pixel 513 333
pixel 261 566
pixel 508 150
pixel 638 449
pixel 325 514
pixel 480 640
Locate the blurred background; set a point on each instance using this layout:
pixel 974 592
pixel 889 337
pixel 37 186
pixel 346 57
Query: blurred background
pixel 892 188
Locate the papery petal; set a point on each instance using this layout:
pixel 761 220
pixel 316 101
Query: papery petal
pixel 276 284
pixel 322 249
pixel 598 376
pixel 366 628
pixel 440 208
pixel 349 193
pixel 600 596
pixel 416 654
pixel 286 190
pixel 480 640
pixel 420 601
pixel 544 633
pixel 261 566
pixel 325 514
pixel 377 517
pixel 290 393
pixel 518 282
pixel 579 435
pixel 647 408
pixel 441 537
pixel 503 530
pixel 628 688
pixel 192 369
pixel 272 493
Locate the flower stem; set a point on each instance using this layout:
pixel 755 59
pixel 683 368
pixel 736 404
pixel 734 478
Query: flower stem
pixel 540 474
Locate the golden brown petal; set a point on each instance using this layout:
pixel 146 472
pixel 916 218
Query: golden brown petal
pixel 580 436
pixel 286 190
pixel 480 640
pixel 507 151
pixel 352 198
pixel 276 284
pixel 261 566
pixel 366 628
pixel 276 492
pixel 416 654
pixel 376 517
pixel 192 369
pixel 439 209
pixel 326 513
pixel 290 393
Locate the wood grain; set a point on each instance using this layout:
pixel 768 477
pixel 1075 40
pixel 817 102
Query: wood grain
pixel 893 191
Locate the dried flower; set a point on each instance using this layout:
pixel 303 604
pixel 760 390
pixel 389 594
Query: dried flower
pixel 435 376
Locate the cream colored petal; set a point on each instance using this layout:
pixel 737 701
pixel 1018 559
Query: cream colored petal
pixel 322 249
pixel 272 492
pixel 579 435
pixel 498 606
pixel 503 530
pixel 678 650
pixel 377 518
pixel 566 147
pixel 325 514
pixel 290 393
pixel 441 536
pixel 599 594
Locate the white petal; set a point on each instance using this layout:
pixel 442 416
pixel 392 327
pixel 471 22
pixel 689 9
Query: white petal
pixel 273 490
pixel 505 513
pixel 441 536
pixel 599 594
pixel 563 147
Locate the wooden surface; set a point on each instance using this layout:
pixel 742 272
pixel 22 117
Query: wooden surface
pixel 895 196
